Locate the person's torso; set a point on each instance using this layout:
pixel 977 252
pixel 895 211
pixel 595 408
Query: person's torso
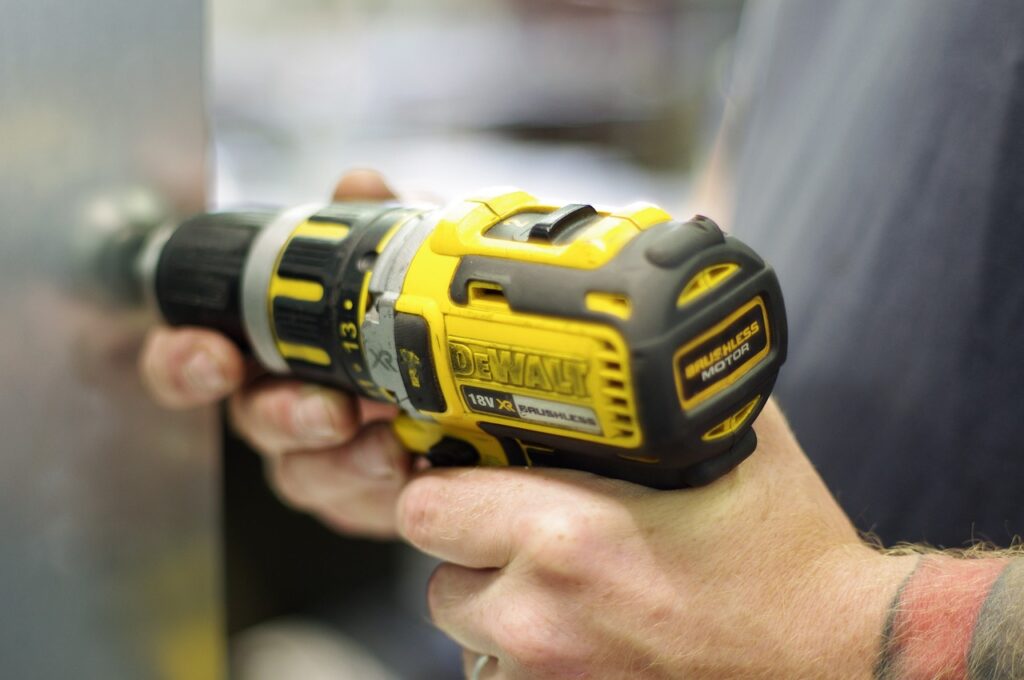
pixel 881 172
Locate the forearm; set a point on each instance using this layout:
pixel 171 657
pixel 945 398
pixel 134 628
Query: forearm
pixel 956 619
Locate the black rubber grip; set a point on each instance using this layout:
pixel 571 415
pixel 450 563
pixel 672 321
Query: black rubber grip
pixel 416 362
pixel 199 275
pixel 305 323
pixel 308 258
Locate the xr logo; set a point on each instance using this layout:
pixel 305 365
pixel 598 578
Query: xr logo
pixel 506 405
pixel 383 358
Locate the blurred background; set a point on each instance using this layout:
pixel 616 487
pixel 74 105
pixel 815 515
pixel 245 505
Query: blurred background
pixel 605 100
pixel 136 543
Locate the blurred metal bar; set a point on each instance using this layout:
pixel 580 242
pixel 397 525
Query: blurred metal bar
pixel 108 520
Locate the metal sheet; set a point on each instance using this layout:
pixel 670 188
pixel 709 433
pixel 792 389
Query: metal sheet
pixel 108 550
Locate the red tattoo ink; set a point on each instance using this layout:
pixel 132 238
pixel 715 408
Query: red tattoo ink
pixel 931 630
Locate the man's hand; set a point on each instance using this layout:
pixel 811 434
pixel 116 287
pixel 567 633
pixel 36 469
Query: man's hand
pixel 562 574
pixel 327 452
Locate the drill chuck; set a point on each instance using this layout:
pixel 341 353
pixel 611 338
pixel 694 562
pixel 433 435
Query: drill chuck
pixel 509 331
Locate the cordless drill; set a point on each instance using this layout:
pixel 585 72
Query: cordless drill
pixel 509 331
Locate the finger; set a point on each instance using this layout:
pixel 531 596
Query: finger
pixel 440 513
pixel 340 489
pixel 462 604
pixel 370 411
pixel 369 511
pixel 477 517
pixel 315 479
pixel 362 185
pixel 186 367
pixel 276 416
pixel 355 506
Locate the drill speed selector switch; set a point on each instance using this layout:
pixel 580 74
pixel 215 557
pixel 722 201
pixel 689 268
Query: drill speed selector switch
pixel 509 331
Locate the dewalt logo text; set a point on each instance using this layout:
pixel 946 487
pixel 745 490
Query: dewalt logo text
pixel 519 369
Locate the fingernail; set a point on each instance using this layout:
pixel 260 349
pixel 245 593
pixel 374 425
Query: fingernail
pixel 373 462
pixel 313 418
pixel 204 375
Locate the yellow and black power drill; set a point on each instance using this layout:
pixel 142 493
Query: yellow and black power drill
pixel 509 331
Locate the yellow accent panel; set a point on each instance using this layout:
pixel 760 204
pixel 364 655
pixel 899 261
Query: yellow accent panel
pixel 313 355
pixel 643 215
pixel 461 224
pixel 310 291
pixel 489 448
pixel 504 201
pixel 417 435
pixel 364 295
pixel 732 423
pixel 328 231
pixel 705 280
pixel 609 303
pixel 460 231
pixel 297 289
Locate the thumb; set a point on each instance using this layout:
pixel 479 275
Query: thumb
pixel 362 184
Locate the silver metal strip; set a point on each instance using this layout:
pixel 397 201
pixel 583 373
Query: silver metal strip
pixel 379 323
pixel 259 269
pixel 147 261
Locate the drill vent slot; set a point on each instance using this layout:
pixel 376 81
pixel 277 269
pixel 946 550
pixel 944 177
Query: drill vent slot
pixel 617 400
pixel 487 293
pixel 613 304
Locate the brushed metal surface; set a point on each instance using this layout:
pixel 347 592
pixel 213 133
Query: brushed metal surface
pixel 108 540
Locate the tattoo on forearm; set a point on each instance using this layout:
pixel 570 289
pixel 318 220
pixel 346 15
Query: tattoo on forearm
pixel 997 648
pixel 956 619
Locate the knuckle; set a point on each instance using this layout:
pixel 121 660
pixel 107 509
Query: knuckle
pixel 272 410
pixel 262 414
pixel 156 370
pixel 307 413
pixel 559 543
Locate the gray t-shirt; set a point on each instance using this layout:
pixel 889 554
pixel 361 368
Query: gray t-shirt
pixel 878 155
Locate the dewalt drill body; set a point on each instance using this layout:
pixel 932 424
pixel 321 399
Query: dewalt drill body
pixel 509 332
